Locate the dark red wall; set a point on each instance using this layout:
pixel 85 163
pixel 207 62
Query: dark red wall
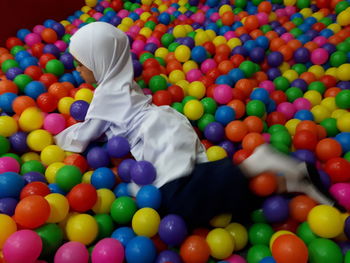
pixel 17 14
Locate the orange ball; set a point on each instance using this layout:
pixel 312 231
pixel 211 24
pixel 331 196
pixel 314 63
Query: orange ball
pixel 332 92
pixel 252 140
pixel 251 23
pixel 307 125
pixel 8 86
pixel 287 52
pixel 238 106
pixel 21 103
pixel 58 90
pixel 260 76
pixel 49 35
pixel 241 30
pixel 5 56
pixel 228 18
pixel 241 155
pixel 276 44
pixel 300 206
pixel 195 250
pixel 263 184
pixel 223 49
pixel 265 7
pixel 328 148
pixel 294 44
pixel 256 33
pixel 254 124
pixel 245 85
pixel 311 46
pixel 225 66
pixel 289 249
pixel 236 130
pixel 3 51
pixel 271 35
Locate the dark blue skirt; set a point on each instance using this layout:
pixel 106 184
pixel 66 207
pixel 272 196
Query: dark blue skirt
pixel 211 189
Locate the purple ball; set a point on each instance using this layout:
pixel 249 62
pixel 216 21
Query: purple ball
pixel 118 147
pixel 124 169
pixel 280 30
pixel 98 157
pixel 257 54
pixel 193 2
pixel 275 24
pixel 13 72
pixel 78 109
pixel 312 33
pixel 343 84
pixel 18 142
pixel 99 8
pixel 302 55
pixel 245 37
pixel 172 230
pixel 228 146
pixel 276 209
pixel 51 49
pixel 115 20
pixel 168 256
pixel 299 83
pixel 305 155
pixel 346 227
pixel 273 73
pixel 240 50
pixel 67 60
pixel 143 173
pixel 8 206
pixel 325 179
pixel 275 59
pixel 188 41
pixel 151 47
pixel 196 25
pixel 329 47
pixel 214 132
pixel 134 56
pixel 59 29
pixel 34 177
pixel 137 68
pixel 344 246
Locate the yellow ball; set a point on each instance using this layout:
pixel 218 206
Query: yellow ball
pixel 221 243
pixel 211 34
pixel 146 2
pixel 91 3
pixel 127 21
pixel 59 207
pixel 51 171
pixel 272 16
pixel 318 16
pixel 291 126
pixel 85 9
pixel 179 31
pixel 105 198
pixel 200 38
pixel 291 75
pixel 187 66
pixel 82 228
pixel 147 32
pixel 193 110
pixel 31 119
pixel 87 177
pixel 278 234
pixel 30 156
pixel 64 104
pixel 332 72
pixel 145 222
pixel 343 18
pixel 325 221
pixel 123 28
pixel 221 220
pixel 215 153
pixel 182 9
pixel 84 17
pixel 313 96
pixel 8 126
pixel 161 52
pixel 184 85
pixel 320 113
pixel 84 94
pixel 234 42
pixel 317 70
pixel 224 8
pixel 182 53
pixel 176 75
pixel 144 16
pixel 188 28
pixel 219 40
pixel 343 122
pixel 196 89
pixel 37 140
pixel 239 234
pixel 338 113
pixel 334 27
pixel 329 103
pixel 289 2
pixel 306 12
pixel 343 72
pixel 8 227
pixel 52 154
pixel 65 23
pixel 284 67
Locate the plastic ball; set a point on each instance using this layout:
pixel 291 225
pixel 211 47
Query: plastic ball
pixel 193 110
pixel 257 253
pixel 98 157
pixel 324 250
pixel 105 198
pixel 223 94
pixel 8 164
pixel 68 176
pixel 103 177
pixel 8 126
pixel 59 207
pixel 140 249
pixel 276 209
pixel 54 123
pixel 289 248
pixel 172 230
pixel 215 153
pixel 78 110
pixel 52 237
pixel 123 209
pixel 82 228
pixel 8 226
pixel 342 99
pixel 260 234
pixel 11 184
pixel 220 242
pixel 263 184
pixel 143 173
pixel 145 222
pixel 148 196
pixel 108 250
pixel 31 119
pixel 168 256
pixel 118 147
pixel 195 249
pixel 72 252
pixel 328 148
pixel 82 197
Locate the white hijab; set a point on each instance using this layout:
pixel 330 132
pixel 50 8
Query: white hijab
pixel 104 50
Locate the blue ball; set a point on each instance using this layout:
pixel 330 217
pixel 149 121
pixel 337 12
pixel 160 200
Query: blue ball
pixel 123 235
pixel 224 29
pixel 212 3
pixel 11 184
pixel 250 45
pixel 267 260
pixel 103 178
pixel 28 61
pixel 224 79
pixel 55 189
pixel 78 79
pixel 49 22
pixel 149 196
pixel 262 41
pixel 6 100
pixel 199 54
pixel 34 89
pixel 121 190
pixel 344 139
pixel 260 94
pixel 304 115
pixel 271 106
pixel 68 77
pixel 21 34
pixel 140 249
pixel 236 74
pixel 224 114
pixel 164 18
pixel 213 26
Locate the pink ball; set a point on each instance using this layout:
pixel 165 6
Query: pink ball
pixel 319 56
pixel 182 17
pixel 139 11
pixel 9 164
pixel 290 10
pixel 38 29
pixel 138 45
pixel 193 75
pixel 108 250
pixel 287 37
pixel 134 29
pixel 73 30
pixel 267 137
pixel 105 4
pixel 153 40
pixel 280 12
pixel 72 252
pixel 97 15
pixel 62 46
pixel 32 39
pixel 171 10
pixel 54 123
pixel 263 18
pixel 341 193
pixel 214 17
pixel 77 22
pixel 207 65
pixel 267 85
pixel 198 17
pixel 302 104
pixel 203 8
pixel 229 34
pixel 147 91
pixel 22 246
pixel 287 109
pixel 223 93
pixel 320 40
pixel 235 259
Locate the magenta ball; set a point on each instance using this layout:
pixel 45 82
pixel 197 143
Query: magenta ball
pixel 8 164
pixel 320 40
pixel 22 246
pixel 54 123
pixel 108 250
pixel 61 45
pixel 138 46
pixel 287 109
pixel 262 18
pixel 230 34
pixel 38 29
pixel 235 259
pixel 72 252
pixel 267 85
pixel 319 56
pixel 193 75
pixel 207 65
pixel 302 104
pixel 341 193
pixel 287 37
pixel 32 39
pixel 223 93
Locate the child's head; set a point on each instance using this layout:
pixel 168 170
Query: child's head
pixel 101 51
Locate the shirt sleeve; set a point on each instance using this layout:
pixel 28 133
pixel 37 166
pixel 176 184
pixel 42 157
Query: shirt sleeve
pixel 78 136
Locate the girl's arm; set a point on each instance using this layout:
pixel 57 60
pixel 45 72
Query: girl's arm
pixel 78 136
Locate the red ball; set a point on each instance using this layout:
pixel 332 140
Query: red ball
pixel 177 93
pixel 210 47
pixel 34 72
pixel 289 249
pixel 238 94
pixel 241 155
pixel 305 139
pixel 82 197
pixel 47 102
pixel 151 63
pixel 210 91
pixel 206 80
pixel 195 249
pixel 35 188
pixel 13 41
pixel 322 3
pixel 237 60
pixel 162 97
pixel 45 58
pixel 148 73
pixel 78 161
pixel 328 80
pixel 338 169
pixel 278 96
pixel 289 225
pixel 207 144
pixel 48 79
pixel 86 86
pixel 276 118
pixel 116 5
pixel 37 49
pixel 328 148
pixel 213 73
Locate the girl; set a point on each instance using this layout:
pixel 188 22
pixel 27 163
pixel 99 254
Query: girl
pixel 191 186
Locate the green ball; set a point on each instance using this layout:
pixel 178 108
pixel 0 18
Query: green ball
pixel 68 176
pixel 90 20
pixel 281 83
pixel 209 105
pixel 299 68
pixel 326 21
pixel 150 24
pixel 105 225
pixel 330 124
pixel 66 38
pixel 347 257
pixel 255 108
pixel 134 6
pixel 276 128
pixel 178 106
pixel 161 61
pixel 266 28
pixel 205 120
pixel 305 233
pixel 318 86
pixel 142 83
pixel 240 3
pixel 4 145
pixel 294 93
pixel 343 99
pixel 282 137
pixel 341 6
pixel 22 80
pixel 219 23
pixel 192 34
pixel 172 47
pixel 17 49
pixel 338 58
pixel 123 209
pixel 193 9
pixel 52 237
pixel 278 2
pixel 257 253
pixel 55 67
pixel 9 63
pixel 187 99
pixel 157 83
pixel 108 9
pixel 303 3
pixel 256 2
pixel 167 39
pixel 281 147
pixel 248 68
pixel 14 156
pixel 145 56
pixel 298 21
pixel 323 250
pixel 127 5
pixel 343 46
pixel 257 216
pixel 347 156
pixel 296 32
pixel 32 166
pixel 260 234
